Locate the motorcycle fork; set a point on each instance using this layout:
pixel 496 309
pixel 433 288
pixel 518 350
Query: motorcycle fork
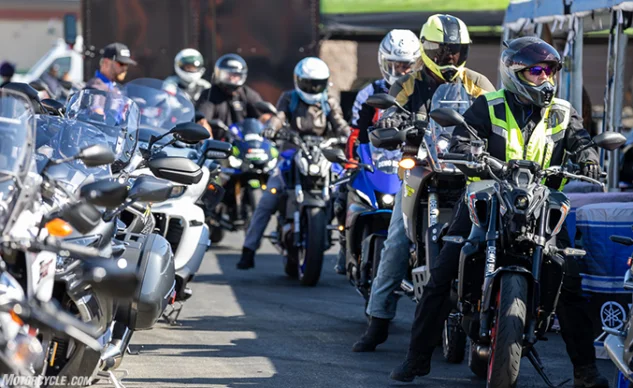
pixel 489 273
pixel 537 262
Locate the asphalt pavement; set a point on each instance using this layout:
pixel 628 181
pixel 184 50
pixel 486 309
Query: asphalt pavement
pixel 261 328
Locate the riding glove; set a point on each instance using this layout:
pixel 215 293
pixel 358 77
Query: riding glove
pixel 591 170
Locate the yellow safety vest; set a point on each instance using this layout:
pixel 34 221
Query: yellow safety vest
pixel 542 141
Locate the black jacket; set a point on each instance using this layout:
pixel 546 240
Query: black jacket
pixel 214 103
pixel 527 117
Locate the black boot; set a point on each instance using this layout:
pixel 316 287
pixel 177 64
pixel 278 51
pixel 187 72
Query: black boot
pixel 339 268
pixel 376 334
pixel 588 376
pixel 247 260
pixel 409 369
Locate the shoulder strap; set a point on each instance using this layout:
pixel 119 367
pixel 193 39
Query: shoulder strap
pixel 325 106
pixel 294 102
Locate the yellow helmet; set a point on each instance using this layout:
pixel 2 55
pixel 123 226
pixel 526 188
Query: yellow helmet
pixel 445 42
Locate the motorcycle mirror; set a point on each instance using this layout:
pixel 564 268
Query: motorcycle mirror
pixel 96 155
pixel 609 140
pixel 266 107
pixel 116 278
pixel 177 169
pixel 82 216
pixel 382 101
pixel 108 193
pixel 334 155
pixel 147 188
pixel 190 133
pixel 53 106
pixel 622 240
pixel 447 117
pixel 215 149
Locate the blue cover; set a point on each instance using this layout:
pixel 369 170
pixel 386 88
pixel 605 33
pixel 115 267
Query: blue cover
pixel 581 199
pixel 603 268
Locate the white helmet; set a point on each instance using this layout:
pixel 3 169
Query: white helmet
pixel 189 65
pixel 398 52
pixel 311 78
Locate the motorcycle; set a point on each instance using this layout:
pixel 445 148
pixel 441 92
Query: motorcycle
pixel 244 177
pixel 429 191
pixel 179 219
pixel 510 270
pixel 619 343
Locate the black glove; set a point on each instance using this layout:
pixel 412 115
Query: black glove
pixel 591 170
pixel 269 133
pixel 392 121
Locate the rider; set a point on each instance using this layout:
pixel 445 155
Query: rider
pixel 113 66
pixel 228 99
pixel 189 69
pixel 445 43
pixel 309 110
pixel 522 110
pixel 398 52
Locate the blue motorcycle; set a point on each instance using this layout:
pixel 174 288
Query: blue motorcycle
pixel 244 176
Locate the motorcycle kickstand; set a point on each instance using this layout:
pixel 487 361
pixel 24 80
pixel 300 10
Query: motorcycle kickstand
pixel 170 318
pixel 535 360
pixel 133 353
pixel 112 377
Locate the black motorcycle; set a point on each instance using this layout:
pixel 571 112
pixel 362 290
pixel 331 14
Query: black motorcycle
pixel 510 270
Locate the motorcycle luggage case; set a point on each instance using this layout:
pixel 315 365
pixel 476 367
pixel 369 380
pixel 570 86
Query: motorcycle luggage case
pixel 153 257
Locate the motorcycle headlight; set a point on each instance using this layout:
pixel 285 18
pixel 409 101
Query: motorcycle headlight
pixel 442 145
pixel 388 199
pixel 521 202
pixel 235 162
pixel 314 169
pixel 271 164
pixel 177 191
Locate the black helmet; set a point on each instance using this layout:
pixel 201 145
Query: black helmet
pixel 523 53
pixel 230 72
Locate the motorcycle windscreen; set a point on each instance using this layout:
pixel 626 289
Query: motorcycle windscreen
pixel 385 178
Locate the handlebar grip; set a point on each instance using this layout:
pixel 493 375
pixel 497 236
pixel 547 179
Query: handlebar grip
pixel 622 240
pixel 452 156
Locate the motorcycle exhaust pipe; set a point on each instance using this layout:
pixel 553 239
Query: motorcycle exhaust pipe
pixel 615 349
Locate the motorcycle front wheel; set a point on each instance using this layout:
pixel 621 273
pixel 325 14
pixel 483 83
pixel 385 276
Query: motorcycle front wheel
pixel 311 253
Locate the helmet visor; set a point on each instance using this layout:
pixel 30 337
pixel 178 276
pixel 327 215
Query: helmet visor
pixel 445 54
pixel 396 68
pixel 312 86
pixel 235 78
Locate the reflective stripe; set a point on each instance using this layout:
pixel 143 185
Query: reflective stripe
pixel 498 100
pixel 497 130
pixel 557 136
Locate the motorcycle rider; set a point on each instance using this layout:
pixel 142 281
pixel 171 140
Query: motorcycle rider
pixel 309 110
pixel 444 42
pixel 228 99
pixel 113 66
pixel 398 52
pixel 189 69
pixel 528 67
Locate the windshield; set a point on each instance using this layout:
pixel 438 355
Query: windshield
pixel 71 137
pixel 385 160
pixel 115 115
pixel 162 104
pixel 17 133
pixel 437 138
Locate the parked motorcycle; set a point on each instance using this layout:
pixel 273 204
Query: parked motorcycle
pixel 244 176
pixel 511 271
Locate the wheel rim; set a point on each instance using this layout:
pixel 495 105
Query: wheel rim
pixel 303 251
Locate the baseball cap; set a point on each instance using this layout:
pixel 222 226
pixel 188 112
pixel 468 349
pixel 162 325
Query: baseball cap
pixel 118 52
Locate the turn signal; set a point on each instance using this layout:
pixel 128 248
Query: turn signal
pixel 211 187
pixel 629 261
pixel 273 190
pixel 58 228
pixel 341 227
pixel 407 163
pixel 263 187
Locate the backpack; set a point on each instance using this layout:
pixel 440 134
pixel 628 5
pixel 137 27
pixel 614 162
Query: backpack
pixel 294 102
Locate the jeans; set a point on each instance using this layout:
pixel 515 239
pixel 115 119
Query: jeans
pixel 265 209
pixel 435 306
pixel 393 266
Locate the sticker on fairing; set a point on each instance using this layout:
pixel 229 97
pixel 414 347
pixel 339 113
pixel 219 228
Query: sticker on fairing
pixel 408 191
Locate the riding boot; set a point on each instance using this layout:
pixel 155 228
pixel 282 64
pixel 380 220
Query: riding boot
pixel 340 260
pixel 588 376
pixel 376 334
pixel 410 368
pixel 247 260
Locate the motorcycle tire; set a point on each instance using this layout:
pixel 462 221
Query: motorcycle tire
pixel 506 345
pixel 290 267
pixel 477 364
pixel 217 234
pixel 453 340
pixel 314 249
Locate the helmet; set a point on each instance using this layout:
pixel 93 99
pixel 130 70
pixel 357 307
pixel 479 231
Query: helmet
pixel 521 54
pixel 445 43
pixel 189 65
pixel 230 72
pixel 399 48
pixel 311 77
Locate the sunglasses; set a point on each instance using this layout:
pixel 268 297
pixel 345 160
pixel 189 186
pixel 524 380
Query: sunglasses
pixel 538 70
